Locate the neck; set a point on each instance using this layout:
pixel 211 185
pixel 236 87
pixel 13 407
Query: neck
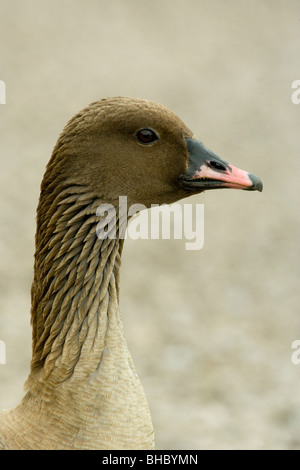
pixel 81 368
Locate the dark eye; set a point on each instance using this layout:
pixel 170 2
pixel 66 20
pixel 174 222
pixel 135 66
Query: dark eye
pixel 146 136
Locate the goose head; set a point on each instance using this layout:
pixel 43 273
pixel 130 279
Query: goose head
pixel 140 149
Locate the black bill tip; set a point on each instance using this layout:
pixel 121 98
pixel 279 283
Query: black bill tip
pixel 256 183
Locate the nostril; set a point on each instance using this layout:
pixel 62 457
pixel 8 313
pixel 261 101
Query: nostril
pixel 216 165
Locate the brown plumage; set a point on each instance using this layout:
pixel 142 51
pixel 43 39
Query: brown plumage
pixel 82 391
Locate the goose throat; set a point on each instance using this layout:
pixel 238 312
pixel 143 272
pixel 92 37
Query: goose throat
pixel 75 287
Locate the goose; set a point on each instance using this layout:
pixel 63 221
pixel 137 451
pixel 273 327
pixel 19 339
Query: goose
pixel 82 391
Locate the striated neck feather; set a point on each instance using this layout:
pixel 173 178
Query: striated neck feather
pixel 82 389
pixel 74 290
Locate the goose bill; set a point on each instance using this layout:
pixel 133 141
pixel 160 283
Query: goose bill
pixel 208 171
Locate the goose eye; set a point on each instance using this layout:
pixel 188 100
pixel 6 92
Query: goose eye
pixel 146 136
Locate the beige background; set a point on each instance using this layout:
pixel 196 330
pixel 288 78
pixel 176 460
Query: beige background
pixel 210 331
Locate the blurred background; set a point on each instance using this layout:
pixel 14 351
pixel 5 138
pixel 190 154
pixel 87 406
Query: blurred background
pixel 210 331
